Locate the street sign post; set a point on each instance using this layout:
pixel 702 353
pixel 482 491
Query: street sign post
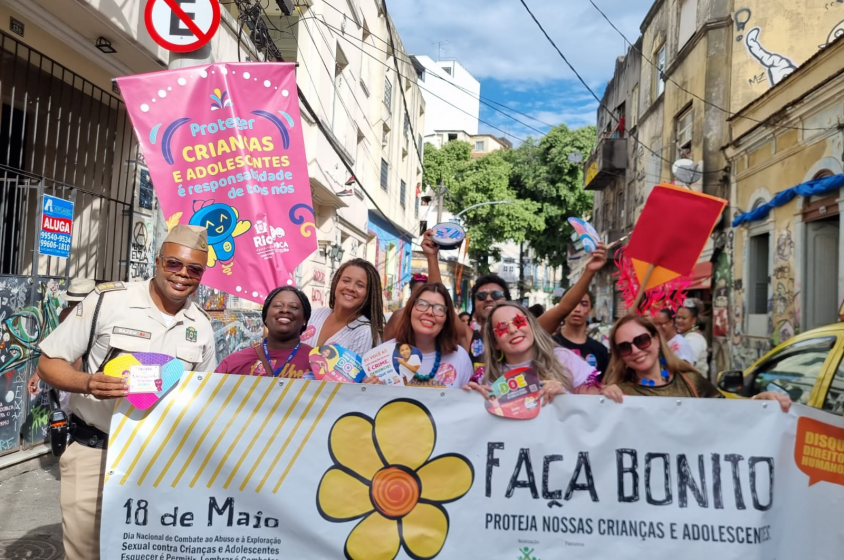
pixel 182 25
pixel 56 227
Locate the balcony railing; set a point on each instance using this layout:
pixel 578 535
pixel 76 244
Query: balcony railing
pixel 607 162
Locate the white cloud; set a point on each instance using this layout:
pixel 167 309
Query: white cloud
pixel 498 39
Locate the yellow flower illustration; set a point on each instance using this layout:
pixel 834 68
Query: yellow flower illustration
pixel 383 473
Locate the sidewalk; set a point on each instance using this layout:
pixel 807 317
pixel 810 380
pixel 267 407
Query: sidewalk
pixel 30 518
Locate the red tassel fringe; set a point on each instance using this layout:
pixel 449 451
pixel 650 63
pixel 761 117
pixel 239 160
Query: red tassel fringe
pixel 669 295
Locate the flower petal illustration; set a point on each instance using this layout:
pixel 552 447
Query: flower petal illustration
pixel 423 531
pixel 446 478
pixel 342 497
pixel 374 538
pixel 351 445
pixel 404 433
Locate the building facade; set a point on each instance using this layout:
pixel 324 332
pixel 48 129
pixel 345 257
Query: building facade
pixel 786 259
pixel 353 62
pixel 452 95
pixel 695 64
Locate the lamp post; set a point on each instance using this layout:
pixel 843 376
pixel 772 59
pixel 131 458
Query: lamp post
pixel 335 253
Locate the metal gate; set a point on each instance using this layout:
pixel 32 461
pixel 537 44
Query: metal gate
pixel 63 136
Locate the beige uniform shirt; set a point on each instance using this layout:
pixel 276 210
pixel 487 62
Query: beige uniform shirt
pixel 129 322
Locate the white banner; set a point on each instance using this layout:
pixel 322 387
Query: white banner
pixel 254 468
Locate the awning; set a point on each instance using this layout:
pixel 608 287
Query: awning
pixel 809 188
pixel 701 277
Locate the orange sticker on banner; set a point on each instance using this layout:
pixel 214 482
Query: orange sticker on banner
pixel 819 451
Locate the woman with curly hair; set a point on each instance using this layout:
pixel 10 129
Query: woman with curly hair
pixel 642 364
pixel 513 338
pixel 354 318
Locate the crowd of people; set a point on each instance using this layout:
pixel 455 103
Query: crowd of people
pixel 647 356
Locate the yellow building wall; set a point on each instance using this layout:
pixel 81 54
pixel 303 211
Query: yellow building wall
pixel 774 37
pixel 772 174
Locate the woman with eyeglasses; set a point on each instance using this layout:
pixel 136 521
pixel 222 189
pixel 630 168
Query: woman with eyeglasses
pixel 513 339
pixel 643 365
pixel 429 323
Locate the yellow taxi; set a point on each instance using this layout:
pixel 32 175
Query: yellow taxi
pixel 807 367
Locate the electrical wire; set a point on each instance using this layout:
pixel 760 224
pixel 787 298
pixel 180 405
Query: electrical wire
pixel 589 89
pixel 706 102
pixel 483 100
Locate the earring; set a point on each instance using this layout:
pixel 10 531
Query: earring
pixel 501 355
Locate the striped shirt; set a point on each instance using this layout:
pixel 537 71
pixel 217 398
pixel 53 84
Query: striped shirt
pixel 356 336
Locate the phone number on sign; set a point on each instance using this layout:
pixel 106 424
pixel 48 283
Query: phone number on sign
pixel 53 241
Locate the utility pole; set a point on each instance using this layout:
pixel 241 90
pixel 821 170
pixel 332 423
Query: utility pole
pixel 440 193
pixel 521 272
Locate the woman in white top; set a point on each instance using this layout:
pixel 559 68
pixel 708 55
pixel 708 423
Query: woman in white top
pixel 513 338
pixel 664 320
pixel 354 318
pixel 686 321
pixel 429 323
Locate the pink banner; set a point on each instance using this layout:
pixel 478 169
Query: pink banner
pixel 224 147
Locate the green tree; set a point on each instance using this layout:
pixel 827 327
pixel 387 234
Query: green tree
pixel 542 173
pixel 472 181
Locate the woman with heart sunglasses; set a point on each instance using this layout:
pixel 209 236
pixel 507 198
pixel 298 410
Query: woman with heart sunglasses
pixel 643 365
pixel 513 339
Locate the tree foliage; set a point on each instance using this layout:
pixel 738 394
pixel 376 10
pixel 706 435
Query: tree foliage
pixel 542 174
pixel 473 181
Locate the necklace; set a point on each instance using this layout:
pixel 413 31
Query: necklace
pixel 284 365
pixel 651 382
pixel 433 371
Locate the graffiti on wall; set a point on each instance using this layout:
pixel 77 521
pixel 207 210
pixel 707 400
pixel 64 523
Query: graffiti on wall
pixel 142 261
pixel 210 299
pixel 24 325
pixel 235 330
pixel 784 305
pixel 777 66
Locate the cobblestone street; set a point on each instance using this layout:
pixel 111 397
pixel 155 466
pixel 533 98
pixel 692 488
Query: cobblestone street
pixel 30 518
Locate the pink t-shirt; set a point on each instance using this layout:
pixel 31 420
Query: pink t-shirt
pixel 581 372
pixel 246 362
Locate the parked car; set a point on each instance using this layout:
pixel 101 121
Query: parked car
pixel 807 367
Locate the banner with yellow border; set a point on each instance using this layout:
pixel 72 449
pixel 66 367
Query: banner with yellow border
pixel 255 468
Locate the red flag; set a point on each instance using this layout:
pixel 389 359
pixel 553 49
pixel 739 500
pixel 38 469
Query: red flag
pixel 671 233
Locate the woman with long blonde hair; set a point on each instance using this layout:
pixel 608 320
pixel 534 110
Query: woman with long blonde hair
pixel 513 338
pixel 642 364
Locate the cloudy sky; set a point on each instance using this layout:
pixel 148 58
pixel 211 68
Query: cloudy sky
pixel 504 49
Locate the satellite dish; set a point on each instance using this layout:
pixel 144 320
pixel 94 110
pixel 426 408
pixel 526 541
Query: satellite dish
pixel 575 157
pixel 686 171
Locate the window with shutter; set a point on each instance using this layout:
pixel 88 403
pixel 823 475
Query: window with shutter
pixel 758 268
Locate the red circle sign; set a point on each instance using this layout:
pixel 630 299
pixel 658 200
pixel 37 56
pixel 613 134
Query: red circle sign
pixel 182 26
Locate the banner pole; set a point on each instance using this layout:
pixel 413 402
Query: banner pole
pixel 641 293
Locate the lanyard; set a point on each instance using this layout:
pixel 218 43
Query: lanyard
pixel 290 357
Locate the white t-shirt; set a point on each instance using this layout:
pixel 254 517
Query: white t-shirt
pixel 454 372
pixel 698 345
pixel 581 372
pixel 356 336
pixel 681 348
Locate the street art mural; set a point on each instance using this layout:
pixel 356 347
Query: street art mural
pixel 235 330
pixel 776 44
pixel 210 299
pixel 142 261
pixel 23 324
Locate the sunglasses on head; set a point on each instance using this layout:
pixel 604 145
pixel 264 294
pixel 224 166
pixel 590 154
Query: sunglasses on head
pixel 502 328
pixel 171 264
pixel 642 342
pixel 495 295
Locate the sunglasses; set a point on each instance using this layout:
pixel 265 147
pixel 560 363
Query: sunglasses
pixel 170 264
pixel 495 295
pixel 502 328
pixel 642 342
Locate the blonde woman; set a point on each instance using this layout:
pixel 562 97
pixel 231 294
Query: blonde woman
pixel 643 365
pixel 513 339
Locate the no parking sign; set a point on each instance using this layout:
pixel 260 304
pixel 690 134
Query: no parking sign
pixel 182 25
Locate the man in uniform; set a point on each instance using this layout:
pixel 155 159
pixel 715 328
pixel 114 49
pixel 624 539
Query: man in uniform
pixel 117 318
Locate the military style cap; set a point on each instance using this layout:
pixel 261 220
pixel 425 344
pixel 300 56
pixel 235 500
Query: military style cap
pixel 194 237
pixel 78 289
